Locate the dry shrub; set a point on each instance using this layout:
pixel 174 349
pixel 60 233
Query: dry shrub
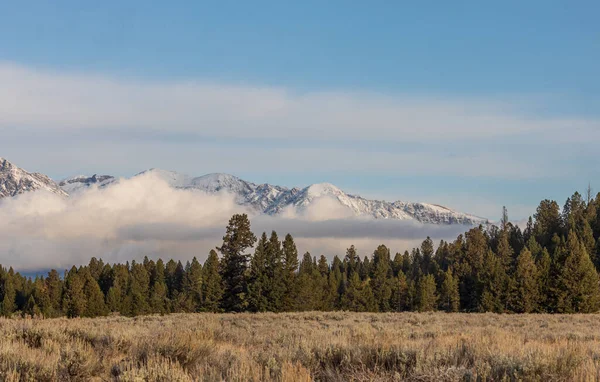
pixel 78 362
pixel 155 369
pixel 339 346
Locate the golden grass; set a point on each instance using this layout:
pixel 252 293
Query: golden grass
pixel 303 347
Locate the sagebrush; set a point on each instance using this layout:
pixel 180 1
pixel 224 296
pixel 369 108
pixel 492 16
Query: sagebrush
pixel 337 346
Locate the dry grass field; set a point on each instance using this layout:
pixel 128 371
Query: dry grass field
pixel 303 347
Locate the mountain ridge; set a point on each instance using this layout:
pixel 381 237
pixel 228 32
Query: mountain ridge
pixel 273 199
pixel 15 181
pixel 263 198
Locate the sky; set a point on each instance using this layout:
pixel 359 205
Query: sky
pixel 471 105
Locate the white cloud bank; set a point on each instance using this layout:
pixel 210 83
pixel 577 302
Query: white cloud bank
pixel 51 100
pixel 144 216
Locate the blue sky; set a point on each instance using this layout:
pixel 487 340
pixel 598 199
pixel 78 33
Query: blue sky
pixel 469 104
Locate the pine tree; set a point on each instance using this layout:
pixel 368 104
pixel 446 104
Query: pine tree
pixel 54 287
pixel 358 296
pixel 527 280
pixel 578 280
pixel 365 269
pixel 506 283
pixel 442 256
pixel 9 295
pixel 258 277
pixel 323 266
pixel 276 285
pixel 381 278
pixel 238 238
pixel 94 306
pixel 416 264
pixel 352 261
pixel 192 286
pixel 471 254
pixel 212 286
pixel 400 298
pixel 426 294
pixel 31 307
pixel 543 266
pixel 116 295
pixel 170 279
pixel 113 300
pixel 290 267
pixel 406 263
pixel 158 289
pixel 449 295
pixel 41 298
pixel 547 223
pixel 74 302
pixel 397 264
pixel 427 265
pixel 493 279
pixel 334 285
pixel 138 290
pixel 310 292
pixel 95 268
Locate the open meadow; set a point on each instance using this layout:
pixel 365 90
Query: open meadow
pixel 309 346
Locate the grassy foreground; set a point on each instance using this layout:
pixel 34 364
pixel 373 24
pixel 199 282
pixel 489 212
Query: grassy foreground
pixel 302 347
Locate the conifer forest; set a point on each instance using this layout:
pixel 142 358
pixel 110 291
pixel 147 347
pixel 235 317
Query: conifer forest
pixel 549 266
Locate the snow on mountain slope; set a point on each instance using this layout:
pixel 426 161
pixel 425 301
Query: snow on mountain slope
pixel 264 198
pixel 15 181
pixel 273 200
pixel 82 182
pixel 433 213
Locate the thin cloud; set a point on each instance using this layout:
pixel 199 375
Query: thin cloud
pixel 53 100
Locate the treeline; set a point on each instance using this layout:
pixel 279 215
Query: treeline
pixel 550 266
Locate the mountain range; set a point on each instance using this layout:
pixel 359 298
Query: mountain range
pixel 263 198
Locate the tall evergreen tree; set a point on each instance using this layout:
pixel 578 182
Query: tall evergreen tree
pixel 74 302
pixel 381 281
pixel 54 287
pixel 258 281
pixel 334 284
pixel 543 266
pixel 95 268
pixel 493 280
pixel 276 285
pixel 9 295
pixel 158 288
pixel 352 260
pixel 400 297
pixel 358 296
pixel 41 298
pixel 527 280
pixel 427 265
pixel 290 268
pixel 547 223
pixel 212 286
pixel 138 291
pixel 192 286
pixel 449 295
pixel 238 238
pixel 426 294
pixel 94 306
pixel 310 289
pixel 578 280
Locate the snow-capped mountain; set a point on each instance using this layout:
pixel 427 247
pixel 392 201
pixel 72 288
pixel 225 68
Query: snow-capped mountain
pixel 15 181
pixel 272 200
pixel 263 198
pixel 81 182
